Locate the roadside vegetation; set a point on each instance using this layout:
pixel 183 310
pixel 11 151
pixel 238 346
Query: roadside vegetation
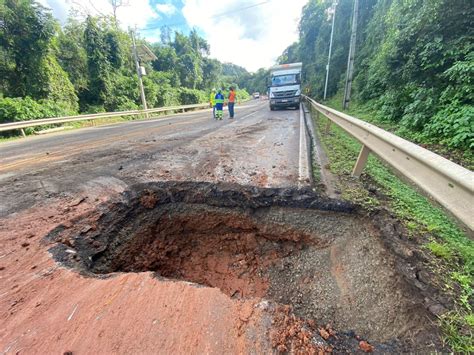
pixel 451 249
pixel 86 66
pixel 414 67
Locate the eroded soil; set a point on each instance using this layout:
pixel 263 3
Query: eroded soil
pixel 184 276
pixel 313 266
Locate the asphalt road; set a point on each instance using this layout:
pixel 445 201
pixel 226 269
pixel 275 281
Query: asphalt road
pixel 69 181
pixel 54 180
pixel 259 147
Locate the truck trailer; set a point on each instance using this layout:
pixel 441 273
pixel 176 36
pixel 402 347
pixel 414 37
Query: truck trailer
pixel 285 86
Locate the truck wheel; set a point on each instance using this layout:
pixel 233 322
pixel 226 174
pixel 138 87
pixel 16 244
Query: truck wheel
pixel 272 108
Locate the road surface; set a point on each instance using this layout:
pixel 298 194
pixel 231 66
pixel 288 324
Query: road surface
pixel 189 146
pixel 50 180
pixel 244 279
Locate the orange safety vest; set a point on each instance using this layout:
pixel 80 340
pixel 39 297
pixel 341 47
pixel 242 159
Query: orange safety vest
pixel 232 96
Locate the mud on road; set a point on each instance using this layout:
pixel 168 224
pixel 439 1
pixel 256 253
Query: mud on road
pixel 132 255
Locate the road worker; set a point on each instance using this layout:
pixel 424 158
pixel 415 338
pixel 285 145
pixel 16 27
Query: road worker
pixel 219 102
pixel 212 102
pixel 231 102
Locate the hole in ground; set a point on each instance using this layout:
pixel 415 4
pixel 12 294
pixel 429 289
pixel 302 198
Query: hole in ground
pixel 206 245
pixel 290 246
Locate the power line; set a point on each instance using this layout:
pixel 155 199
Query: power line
pixel 212 17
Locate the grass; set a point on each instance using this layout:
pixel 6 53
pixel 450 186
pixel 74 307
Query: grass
pixel 435 230
pixel 440 250
pixel 463 157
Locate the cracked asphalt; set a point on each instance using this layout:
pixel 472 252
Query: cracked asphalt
pixel 259 147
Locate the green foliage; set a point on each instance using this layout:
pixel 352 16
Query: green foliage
pixel 232 70
pixel 242 95
pixel 212 73
pixel 86 66
pixel 123 93
pixel 255 82
pixel 290 54
pixel 192 96
pixel 72 55
pixel 60 89
pixel 25 37
pixel 190 59
pixel 425 67
pixel 458 332
pixel 94 109
pixel 446 240
pixel 23 109
pixel 440 250
pixel 98 64
pixel 167 58
pixel 414 63
pixel 313 47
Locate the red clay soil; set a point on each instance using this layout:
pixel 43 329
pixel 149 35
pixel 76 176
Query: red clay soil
pixel 207 248
pixel 46 308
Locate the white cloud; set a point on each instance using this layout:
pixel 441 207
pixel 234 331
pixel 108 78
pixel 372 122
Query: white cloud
pixel 166 9
pixel 252 38
pixel 136 13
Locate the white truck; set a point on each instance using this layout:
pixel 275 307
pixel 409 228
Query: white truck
pixel 285 86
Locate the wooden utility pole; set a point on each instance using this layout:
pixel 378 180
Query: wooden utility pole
pixel 351 58
pixel 139 72
pixel 333 12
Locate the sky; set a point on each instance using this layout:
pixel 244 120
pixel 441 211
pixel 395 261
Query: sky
pixel 249 33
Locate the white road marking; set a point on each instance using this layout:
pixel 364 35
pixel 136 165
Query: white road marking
pixel 72 314
pixel 304 175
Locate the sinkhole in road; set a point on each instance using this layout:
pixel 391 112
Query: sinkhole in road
pixel 287 245
pixel 208 246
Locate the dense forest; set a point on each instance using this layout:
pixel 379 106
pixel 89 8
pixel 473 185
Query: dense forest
pixel 414 63
pixel 87 66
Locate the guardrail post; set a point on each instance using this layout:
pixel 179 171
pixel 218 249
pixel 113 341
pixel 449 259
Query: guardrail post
pixel 328 126
pixel 361 161
pixel 23 134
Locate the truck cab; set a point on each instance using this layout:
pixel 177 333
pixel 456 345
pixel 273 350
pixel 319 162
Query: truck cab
pixel 285 86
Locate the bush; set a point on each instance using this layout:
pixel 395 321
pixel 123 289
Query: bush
pixel 453 126
pixel 23 109
pixel 191 96
pixel 167 96
pixel 123 94
pixel 19 109
pixel 440 250
pixel 89 109
pixel 242 94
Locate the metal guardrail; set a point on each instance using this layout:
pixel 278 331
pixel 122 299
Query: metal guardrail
pixel 448 183
pixel 45 121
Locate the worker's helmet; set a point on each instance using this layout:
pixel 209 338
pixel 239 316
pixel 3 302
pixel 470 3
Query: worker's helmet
pixel 214 90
